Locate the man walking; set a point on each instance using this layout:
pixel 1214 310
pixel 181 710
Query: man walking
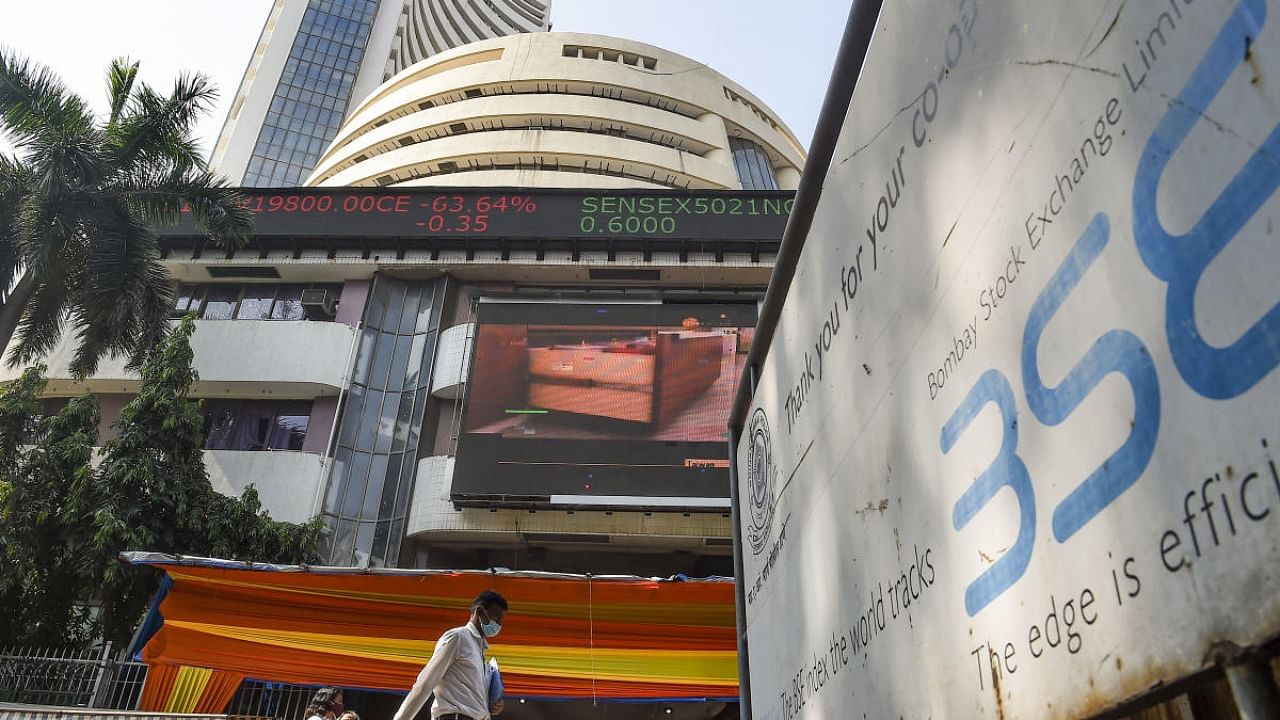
pixel 456 671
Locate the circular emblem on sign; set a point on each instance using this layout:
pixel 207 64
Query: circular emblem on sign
pixel 759 481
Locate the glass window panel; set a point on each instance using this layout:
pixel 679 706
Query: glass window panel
pixel 187 298
pixel 377 304
pixel 289 432
pixel 364 543
pixel 381 363
pixel 758 169
pixel 220 303
pixel 353 494
pixel 426 308
pixel 752 172
pixel 373 491
pixel 255 304
pixel 387 504
pixel 369 420
pixel 409 311
pixel 344 542
pixel 220 423
pixel 399 363
pixel 415 424
pixel 395 536
pixel 767 179
pixel 386 423
pixel 253 426
pixel 350 415
pixel 395 298
pixel 328 528
pixel 288 303
pixel 360 373
pixel 404 418
pixel 378 553
pixel 414 376
pixel 409 472
pixel 293 407
pixel 337 477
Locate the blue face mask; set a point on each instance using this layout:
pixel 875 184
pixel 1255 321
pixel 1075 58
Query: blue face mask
pixel 491 628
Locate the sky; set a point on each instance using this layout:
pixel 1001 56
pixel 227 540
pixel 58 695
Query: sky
pixel 780 51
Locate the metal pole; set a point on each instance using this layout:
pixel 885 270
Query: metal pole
pixel 104 678
pixel 330 452
pixel 1254 688
pixel 844 78
pixel 740 582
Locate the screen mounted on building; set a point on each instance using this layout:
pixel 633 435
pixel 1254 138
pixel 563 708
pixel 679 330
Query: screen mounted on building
pixel 601 405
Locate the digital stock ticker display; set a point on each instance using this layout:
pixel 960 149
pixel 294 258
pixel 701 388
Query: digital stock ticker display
pixel 610 405
pixel 460 213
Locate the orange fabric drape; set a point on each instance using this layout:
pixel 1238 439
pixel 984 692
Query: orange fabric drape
pixel 187 689
pixel 564 637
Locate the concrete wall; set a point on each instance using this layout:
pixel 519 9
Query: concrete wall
pixel 234 358
pixel 351 305
pixel 323 412
pixel 434 26
pixel 591 106
pixel 383 44
pixel 287 482
pixel 453 361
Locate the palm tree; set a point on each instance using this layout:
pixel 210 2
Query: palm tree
pixel 79 201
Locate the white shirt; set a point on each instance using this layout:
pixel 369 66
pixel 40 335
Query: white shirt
pixel 456 674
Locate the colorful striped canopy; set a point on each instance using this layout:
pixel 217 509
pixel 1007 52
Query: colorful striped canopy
pixel 565 637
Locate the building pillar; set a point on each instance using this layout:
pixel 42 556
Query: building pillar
pixel 720 138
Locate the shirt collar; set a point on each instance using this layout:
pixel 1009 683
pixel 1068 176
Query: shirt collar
pixel 471 628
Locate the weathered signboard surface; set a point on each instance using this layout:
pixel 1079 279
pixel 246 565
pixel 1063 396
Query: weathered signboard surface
pixel 1015 447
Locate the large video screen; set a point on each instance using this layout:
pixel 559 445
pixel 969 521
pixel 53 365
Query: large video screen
pixel 609 405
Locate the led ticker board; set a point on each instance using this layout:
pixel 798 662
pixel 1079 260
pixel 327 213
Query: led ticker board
pixel 464 213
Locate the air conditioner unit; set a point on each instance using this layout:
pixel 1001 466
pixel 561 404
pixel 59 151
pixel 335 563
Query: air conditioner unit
pixel 318 302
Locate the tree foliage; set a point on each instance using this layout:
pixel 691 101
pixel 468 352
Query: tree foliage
pixel 80 199
pixel 63 522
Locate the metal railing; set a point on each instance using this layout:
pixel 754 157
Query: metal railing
pixel 70 678
pixel 258 699
pixel 53 678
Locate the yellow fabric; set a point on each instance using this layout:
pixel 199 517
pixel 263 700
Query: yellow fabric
pixel 676 667
pixel 187 689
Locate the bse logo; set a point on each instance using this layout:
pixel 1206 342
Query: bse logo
pixel 760 475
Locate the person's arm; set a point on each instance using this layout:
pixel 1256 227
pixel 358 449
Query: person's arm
pixel 432 673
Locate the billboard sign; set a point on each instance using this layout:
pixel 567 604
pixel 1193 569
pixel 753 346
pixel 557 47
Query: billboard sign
pixel 1014 447
pixel 601 405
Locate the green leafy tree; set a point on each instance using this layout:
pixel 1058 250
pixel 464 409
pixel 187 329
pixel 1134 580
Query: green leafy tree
pixel 149 492
pixel 79 201
pixel 46 461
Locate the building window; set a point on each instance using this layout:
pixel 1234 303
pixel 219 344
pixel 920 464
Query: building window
pixel 367 496
pixel 607 55
pixel 312 95
pixel 256 424
pixel 256 301
pixel 755 172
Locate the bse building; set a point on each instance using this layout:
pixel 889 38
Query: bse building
pixel 496 316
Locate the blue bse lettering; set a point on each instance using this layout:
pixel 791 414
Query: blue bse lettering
pixel 1178 260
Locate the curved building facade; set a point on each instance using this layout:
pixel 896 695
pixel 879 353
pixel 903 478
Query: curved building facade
pixel 562 110
pixel 431 27
pixel 315 59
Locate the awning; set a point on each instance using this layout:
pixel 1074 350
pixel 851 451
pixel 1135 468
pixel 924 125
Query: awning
pixel 565 637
